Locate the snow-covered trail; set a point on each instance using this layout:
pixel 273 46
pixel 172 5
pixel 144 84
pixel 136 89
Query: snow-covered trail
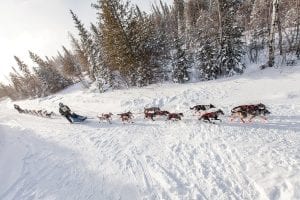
pixel 44 158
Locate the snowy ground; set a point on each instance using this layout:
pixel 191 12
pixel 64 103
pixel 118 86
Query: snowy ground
pixel 44 158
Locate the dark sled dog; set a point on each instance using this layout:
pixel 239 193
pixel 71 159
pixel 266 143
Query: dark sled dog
pixel 162 113
pixel 150 115
pixel 208 117
pixel 152 110
pixel 126 117
pixel 175 116
pixel 199 108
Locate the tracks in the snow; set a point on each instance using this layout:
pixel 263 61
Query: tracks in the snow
pixel 152 160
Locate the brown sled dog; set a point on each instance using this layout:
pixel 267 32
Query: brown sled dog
pixel 249 108
pixel 242 115
pixel 162 113
pixel 244 111
pixel 150 115
pixel 126 117
pixel 207 117
pixel 105 117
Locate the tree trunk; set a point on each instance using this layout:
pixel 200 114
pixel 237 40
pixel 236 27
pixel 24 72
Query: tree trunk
pixel 272 33
pixel 279 32
pixel 220 21
pixel 180 18
pixel 298 30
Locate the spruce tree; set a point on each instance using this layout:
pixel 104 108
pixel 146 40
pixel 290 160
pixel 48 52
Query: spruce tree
pixel 30 81
pixel 231 45
pixel 52 81
pixel 180 68
pixel 87 45
pixel 114 19
pixel 17 83
pixel 103 74
pixel 208 59
pixel 69 65
pixel 80 55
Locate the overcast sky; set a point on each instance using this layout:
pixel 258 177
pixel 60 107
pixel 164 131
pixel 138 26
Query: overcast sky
pixel 41 26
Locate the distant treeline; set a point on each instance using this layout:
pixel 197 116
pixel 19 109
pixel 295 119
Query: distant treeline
pixel 193 39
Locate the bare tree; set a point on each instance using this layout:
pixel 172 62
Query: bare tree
pixel 298 29
pixel 275 9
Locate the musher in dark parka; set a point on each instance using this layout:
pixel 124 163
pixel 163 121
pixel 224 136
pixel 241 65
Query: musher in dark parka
pixel 65 111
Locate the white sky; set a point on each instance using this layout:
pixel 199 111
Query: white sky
pixel 42 26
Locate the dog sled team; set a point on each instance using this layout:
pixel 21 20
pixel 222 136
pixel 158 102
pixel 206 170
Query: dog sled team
pixel 242 113
pixel 41 113
pixel 205 113
pixel 64 110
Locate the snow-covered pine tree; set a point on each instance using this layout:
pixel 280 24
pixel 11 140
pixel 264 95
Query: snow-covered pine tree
pixel 259 21
pixel 204 42
pixel 179 71
pixel 231 44
pixel 17 82
pixel 87 45
pixel 114 17
pixel 207 56
pixel 80 55
pixel 164 28
pixel 30 81
pixel 143 37
pixel 138 30
pixel 103 74
pixel 193 11
pixel 52 81
pixel 70 67
pixel 180 68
